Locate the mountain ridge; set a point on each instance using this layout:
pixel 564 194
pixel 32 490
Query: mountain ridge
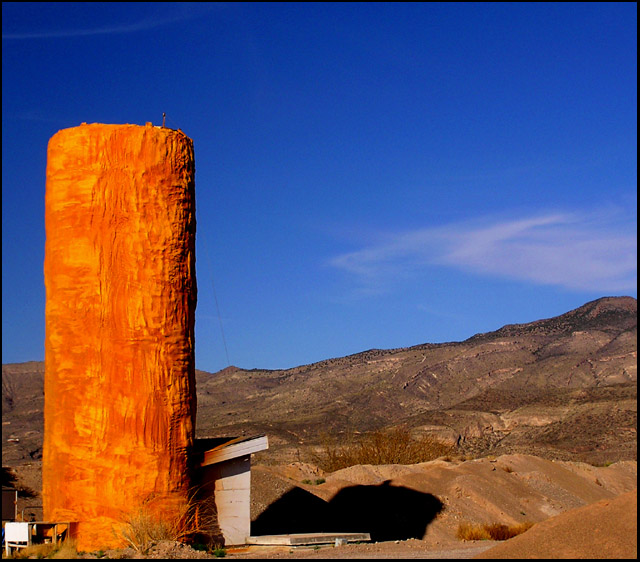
pixel 622 303
pixel 532 388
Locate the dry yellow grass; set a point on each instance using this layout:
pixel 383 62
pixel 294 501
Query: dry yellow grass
pixel 144 527
pixel 65 550
pixel 492 531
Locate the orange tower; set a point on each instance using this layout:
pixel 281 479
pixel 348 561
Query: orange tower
pixel 119 272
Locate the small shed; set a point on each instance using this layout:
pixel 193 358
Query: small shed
pixel 225 474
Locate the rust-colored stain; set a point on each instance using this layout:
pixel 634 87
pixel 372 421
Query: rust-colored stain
pixel 120 282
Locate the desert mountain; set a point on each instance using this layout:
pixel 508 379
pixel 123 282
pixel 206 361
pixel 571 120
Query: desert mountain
pixel 564 387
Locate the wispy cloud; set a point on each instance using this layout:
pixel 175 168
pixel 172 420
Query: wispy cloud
pixel 583 252
pixel 185 11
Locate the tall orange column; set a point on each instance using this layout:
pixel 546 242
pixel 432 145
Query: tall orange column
pixel 120 283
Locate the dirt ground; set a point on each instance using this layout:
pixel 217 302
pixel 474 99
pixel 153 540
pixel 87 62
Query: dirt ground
pixel 606 529
pixel 413 549
pixel 385 550
pixel 414 511
pixel 509 489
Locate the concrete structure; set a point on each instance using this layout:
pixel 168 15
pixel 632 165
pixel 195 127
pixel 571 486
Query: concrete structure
pixel 225 474
pixel 309 539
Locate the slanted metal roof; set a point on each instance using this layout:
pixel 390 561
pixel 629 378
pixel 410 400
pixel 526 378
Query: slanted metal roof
pixel 230 448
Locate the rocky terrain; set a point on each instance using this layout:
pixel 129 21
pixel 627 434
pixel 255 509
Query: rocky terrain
pixel 561 389
pixel 537 388
pixel 564 387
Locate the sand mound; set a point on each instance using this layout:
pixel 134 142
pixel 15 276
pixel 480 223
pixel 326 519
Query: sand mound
pixel 605 529
pixel 510 489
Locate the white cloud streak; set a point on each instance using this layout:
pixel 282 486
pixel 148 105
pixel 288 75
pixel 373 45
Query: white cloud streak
pixel 596 252
pixel 193 10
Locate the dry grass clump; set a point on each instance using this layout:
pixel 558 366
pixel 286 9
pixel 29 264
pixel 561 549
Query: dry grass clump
pixel 34 551
pixel 143 529
pixel 65 551
pixel 394 446
pixel 194 519
pixel 470 532
pixel 491 531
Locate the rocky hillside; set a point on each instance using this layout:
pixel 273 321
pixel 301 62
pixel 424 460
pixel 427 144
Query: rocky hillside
pixel 563 388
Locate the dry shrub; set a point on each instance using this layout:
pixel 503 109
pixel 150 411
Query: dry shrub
pixel 194 518
pixel 469 532
pixel 35 551
pixel 394 446
pixel 65 550
pixel 498 531
pixel 143 529
pixel 492 531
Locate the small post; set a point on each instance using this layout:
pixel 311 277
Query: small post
pixel 163 118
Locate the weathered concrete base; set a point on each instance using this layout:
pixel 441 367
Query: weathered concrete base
pixel 302 539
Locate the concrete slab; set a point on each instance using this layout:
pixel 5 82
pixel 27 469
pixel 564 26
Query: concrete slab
pixel 302 539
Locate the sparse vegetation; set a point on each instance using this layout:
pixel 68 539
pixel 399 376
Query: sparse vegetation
pixel 395 446
pixel 143 529
pixel 491 531
pixel 147 526
pixel 65 551
pixel 316 482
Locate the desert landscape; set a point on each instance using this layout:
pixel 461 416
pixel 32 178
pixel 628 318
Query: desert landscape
pixel 538 423
pixel 323 280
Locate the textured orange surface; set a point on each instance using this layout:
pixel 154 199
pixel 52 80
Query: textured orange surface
pixel 119 351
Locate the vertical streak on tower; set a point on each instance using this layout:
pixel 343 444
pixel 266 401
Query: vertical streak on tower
pixel 120 282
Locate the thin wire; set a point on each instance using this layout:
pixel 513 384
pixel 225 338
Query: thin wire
pixel 169 123
pixel 215 298
pixel 206 251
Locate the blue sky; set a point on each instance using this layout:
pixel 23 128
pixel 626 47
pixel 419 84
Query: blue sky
pixel 368 175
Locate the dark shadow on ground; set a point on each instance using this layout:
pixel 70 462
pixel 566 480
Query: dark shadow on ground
pixel 386 512
pixel 10 480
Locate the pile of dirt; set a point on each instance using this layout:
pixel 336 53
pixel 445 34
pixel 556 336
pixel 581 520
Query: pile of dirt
pixel 432 499
pixel 606 529
pixel 414 511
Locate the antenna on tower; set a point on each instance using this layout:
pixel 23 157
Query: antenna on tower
pixel 164 115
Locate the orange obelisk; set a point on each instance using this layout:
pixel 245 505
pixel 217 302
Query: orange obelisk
pixel 119 349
